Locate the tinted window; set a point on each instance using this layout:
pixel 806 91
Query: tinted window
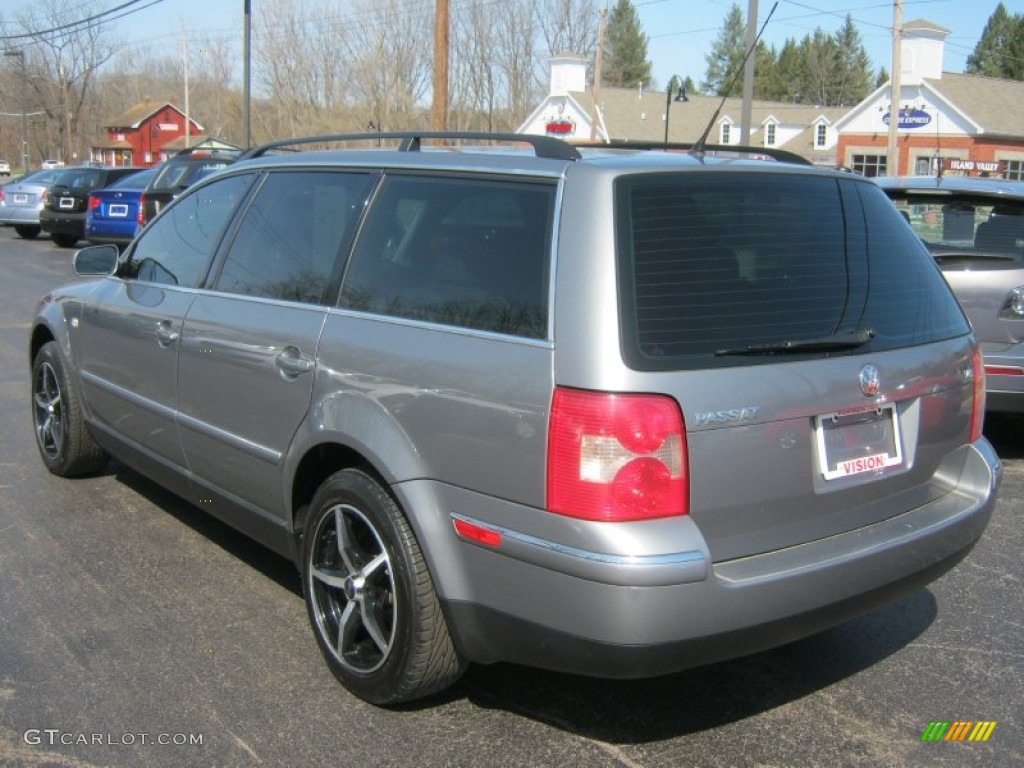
pixel 184 174
pixel 713 263
pixel 135 181
pixel 176 249
pixel 461 252
pixel 290 238
pixel 81 178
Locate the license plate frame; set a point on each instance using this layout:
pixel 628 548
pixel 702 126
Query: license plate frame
pixel 858 442
pixel 117 210
pixel 66 203
pixel 20 198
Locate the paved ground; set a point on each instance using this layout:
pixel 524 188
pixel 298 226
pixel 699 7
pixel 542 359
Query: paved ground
pixel 129 618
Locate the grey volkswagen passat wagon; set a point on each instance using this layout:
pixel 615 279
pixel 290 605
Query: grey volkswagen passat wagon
pixel 611 412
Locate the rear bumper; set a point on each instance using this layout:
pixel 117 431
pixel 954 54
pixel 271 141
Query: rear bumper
pixel 507 606
pixel 11 215
pixel 62 223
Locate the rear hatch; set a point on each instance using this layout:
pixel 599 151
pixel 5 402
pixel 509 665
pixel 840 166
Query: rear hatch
pixel 70 190
pixel 821 364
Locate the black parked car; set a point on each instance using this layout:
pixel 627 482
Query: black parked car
pixel 178 174
pixel 63 215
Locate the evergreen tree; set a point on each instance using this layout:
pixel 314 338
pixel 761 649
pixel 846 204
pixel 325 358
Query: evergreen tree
pixel 882 77
pixel 852 71
pixel 726 54
pixel 626 64
pixel 790 74
pixel 689 86
pixel 1000 51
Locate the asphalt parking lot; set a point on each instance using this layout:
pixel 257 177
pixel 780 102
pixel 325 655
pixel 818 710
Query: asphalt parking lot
pixel 137 631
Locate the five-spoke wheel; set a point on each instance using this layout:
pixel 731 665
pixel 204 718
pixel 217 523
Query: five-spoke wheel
pixel 370 597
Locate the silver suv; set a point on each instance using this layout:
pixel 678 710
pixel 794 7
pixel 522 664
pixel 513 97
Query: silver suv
pixel 612 412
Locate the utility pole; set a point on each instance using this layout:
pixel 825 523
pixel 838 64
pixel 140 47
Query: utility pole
pixel 184 53
pixel 246 76
pixel 20 53
pixel 439 112
pixel 892 162
pixel 598 56
pixel 748 74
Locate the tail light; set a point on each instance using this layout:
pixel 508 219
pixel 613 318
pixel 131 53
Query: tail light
pixel 45 196
pixel 978 401
pixel 140 217
pixel 3 196
pixel 616 457
pixel 94 202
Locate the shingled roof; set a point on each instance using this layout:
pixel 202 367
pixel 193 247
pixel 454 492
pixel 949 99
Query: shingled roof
pixel 997 105
pixel 135 116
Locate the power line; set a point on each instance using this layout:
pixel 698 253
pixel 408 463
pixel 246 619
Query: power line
pixel 82 22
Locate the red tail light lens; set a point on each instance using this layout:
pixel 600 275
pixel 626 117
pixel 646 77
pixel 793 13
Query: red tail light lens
pixel 140 217
pixel 94 202
pixel 616 457
pixel 978 405
pixel 3 196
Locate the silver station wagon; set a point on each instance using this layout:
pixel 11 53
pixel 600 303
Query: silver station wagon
pixel 614 412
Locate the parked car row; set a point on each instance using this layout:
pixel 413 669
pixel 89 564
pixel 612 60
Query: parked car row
pixel 101 204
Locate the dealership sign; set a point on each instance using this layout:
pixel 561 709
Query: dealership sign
pixel 910 118
pixel 969 166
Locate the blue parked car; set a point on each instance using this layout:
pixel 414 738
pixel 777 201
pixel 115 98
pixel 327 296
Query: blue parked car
pixel 113 212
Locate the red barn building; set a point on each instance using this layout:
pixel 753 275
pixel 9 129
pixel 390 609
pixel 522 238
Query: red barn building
pixel 145 135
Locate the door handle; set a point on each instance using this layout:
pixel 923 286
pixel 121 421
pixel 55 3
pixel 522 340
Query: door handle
pixel 292 362
pixel 165 335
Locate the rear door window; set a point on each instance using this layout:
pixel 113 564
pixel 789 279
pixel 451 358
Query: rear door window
pixel 472 253
pixel 730 268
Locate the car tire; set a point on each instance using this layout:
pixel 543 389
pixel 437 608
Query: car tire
pixel 65 241
pixel 64 442
pixel 27 231
pixel 370 598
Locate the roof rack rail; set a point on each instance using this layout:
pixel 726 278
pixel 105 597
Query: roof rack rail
pixel 781 155
pixel 543 146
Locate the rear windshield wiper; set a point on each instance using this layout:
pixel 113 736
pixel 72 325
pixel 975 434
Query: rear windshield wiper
pixel 825 344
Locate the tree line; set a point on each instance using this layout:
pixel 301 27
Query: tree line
pixel 321 66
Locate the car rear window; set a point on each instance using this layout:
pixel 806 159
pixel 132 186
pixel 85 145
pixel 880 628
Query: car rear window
pixel 732 268
pixel 964 223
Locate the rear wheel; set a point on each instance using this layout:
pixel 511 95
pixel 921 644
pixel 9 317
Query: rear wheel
pixel 65 445
pixel 370 597
pixel 27 231
pixel 64 240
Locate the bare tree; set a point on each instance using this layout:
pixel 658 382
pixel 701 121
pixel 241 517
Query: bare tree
pixel 66 50
pixel 390 49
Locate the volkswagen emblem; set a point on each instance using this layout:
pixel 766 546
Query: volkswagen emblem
pixel 869 384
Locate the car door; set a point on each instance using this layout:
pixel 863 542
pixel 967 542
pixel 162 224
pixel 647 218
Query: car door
pixel 249 345
pixel 131 327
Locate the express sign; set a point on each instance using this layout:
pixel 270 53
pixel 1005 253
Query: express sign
pixel 910 118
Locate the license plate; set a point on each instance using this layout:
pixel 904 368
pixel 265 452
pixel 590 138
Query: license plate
pixel 21 198
pixel 858 442
pixel 66 202
pixel 116 209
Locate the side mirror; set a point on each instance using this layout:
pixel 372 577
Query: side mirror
pixel 96 260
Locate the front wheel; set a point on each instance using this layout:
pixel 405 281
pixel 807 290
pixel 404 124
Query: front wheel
pixel 370 597
pixel 65 445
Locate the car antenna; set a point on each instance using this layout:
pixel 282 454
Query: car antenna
pixel 698 147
